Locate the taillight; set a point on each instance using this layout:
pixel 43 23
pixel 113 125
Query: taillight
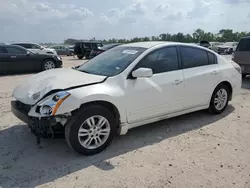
pixel 233 56
pixel 236 66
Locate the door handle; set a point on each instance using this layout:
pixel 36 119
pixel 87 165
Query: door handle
pixel 12 57
pixel 177 82
pixel 214 73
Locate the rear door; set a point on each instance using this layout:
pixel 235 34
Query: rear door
pixel 18 60
pixel 242 54
pixel 3 59
pixel 201 74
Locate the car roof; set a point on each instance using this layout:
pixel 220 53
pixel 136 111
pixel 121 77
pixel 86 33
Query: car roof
pixel 151 44
pixel 88 42
pixel 247 37
pixel 25 43
pixel 4 45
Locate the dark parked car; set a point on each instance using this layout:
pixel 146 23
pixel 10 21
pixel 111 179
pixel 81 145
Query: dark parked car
pixel 104 48
pixel 242 55
pixel 83 49
pixel 204 43
pixel 15 58
pixel 63 50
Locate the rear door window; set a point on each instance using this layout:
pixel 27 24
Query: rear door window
pixel 34 46
pixel 193 57
pixel 211 58
pixel 244 45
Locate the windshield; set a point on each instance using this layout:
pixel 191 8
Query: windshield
pixel 112 62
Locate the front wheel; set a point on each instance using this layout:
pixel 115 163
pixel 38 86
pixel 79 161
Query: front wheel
pixel 80 56
pixel 48 64
pixel 219 100
pixel 92 131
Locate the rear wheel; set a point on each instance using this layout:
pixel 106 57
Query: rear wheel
pixel 219 100
pixel 80 56
pixel 244 75
pixel 48 64
pixel 230 51
pixel 92 131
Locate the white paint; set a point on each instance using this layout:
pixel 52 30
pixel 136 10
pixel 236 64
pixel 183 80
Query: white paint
pixel 46 81
pixel 141 100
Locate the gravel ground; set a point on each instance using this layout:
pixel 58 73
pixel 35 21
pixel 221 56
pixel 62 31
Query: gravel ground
pixel 194 150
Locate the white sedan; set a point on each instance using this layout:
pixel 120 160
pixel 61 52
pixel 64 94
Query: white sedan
pixel 122 88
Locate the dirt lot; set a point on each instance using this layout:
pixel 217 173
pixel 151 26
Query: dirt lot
pixel 194 150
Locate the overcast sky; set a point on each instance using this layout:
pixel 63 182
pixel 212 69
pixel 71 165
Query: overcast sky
pixel 44 21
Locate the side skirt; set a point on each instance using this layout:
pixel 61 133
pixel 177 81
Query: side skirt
pixel 125 126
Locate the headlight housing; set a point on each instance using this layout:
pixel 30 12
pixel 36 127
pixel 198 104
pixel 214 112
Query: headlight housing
pixel 50 105
pixel 59 58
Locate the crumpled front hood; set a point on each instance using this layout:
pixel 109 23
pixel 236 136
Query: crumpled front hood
pixel 55 79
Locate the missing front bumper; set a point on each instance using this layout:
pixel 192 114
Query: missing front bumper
pixel 46 127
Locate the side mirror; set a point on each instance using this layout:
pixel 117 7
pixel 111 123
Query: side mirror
pixel 28 53
pixel 142 73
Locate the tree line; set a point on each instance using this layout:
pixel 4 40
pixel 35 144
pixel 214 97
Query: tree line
pixel 224 35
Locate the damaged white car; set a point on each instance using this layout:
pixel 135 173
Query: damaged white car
pixel 125 87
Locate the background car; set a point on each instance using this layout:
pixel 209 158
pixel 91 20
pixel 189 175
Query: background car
pixel 125 87
pixel 97 51
pixel 242 55
pixel 71 49
pixel 227 48
pixel 204 43
pixel 14 58
pixel 36 48
pixel 83 49
pixel 214 46
pixel 63 50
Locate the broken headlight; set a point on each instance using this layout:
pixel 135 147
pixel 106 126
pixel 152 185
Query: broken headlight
pixel 50 105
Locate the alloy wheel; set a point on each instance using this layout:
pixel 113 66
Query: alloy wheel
pixel 94 132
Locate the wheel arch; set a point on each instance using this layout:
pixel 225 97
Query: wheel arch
pixel 106 104
pixel 228 84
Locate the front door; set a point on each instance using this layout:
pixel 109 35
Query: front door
pixel 160 94
pixel 201 74
pixel 19 60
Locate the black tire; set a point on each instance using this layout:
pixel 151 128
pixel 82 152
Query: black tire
pixel 230 51
pixel 244 75
pixel 46 61
pixel 212 108
pixel 80 56
pixel 71 130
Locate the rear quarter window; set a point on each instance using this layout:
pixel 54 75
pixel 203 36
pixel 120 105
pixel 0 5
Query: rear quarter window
pixel 211 58
pixel 244 45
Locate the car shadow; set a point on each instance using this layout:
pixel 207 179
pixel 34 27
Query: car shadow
pixel 246 83
pixel 25 164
